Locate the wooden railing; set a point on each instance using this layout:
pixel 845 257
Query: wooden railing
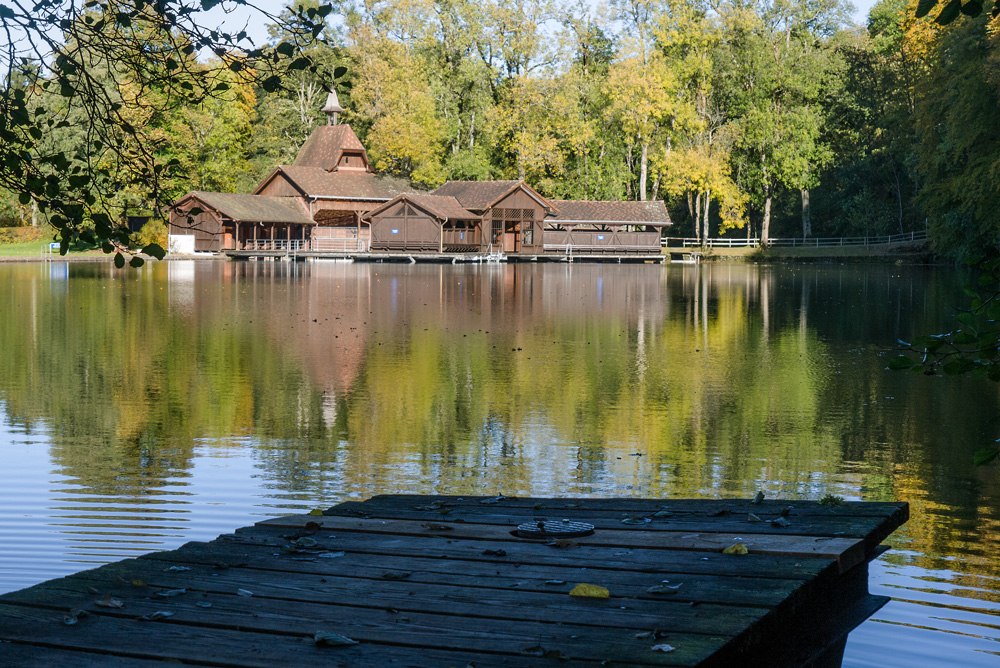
pixel 815 242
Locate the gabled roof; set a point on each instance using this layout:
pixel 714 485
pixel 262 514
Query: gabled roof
pixel 317 182
pixel 441 207
pixel 610 213
pixel 327 144
pixel 481 195
pixel 252 208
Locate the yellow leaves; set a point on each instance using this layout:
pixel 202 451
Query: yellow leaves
pixel 584 590
pixel 736 548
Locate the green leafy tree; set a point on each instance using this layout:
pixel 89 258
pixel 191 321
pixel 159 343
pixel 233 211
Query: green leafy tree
pixel 102 57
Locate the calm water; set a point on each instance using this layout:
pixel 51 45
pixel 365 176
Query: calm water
pixel 145 408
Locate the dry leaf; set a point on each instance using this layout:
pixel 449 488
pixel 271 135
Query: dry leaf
pixel 664 589
pixel 585 590
pixel 753 518
pixel 315 511
pixel 663 648
pixel 758 498
pixel 561 542
pixel 159 614
pixel 435 526
pixel 780 522
pixel 171 592
pixel 109 602
pixel 327 639
pixel 736 548
pixel 244 592
pixel 395 575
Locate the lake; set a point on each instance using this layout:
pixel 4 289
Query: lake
pixel 141 409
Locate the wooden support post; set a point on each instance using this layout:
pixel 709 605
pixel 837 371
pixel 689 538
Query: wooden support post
pixel 441 238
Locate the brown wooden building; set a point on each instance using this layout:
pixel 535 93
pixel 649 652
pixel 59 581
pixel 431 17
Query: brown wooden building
pixel 586 226
pixel 512 213
pixel 413 222
pixel 331 182
pixel 331 200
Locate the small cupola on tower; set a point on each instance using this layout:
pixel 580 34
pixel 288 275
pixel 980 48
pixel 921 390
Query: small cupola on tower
pixel 332 108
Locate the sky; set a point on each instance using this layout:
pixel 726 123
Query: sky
pixel 257 29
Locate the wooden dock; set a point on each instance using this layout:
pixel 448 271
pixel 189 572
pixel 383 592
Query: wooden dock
pixel 442 258
pixel 444 581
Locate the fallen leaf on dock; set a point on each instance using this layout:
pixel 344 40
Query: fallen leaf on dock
pixel 171 592
pixel 538 650
pixel 663 513
pixel 736 548
pixel 584 590
pixel 176 569
pixel 395 575
pixel 555 583
pixel 758 498
pixel 753 518
pixel 203 604
pixel 305 541
pixel 244 592
pixel 74 616
pixel 664 589
pixel 137 582
pixel 492 500
pixel 327 639
pixel 663 648
pixel 636 520
pixel 330 555
pixel 159 614
pixel 780 522
pixel 109 602
pixel 435 526
pixel 315 511
pixel 561 543
pixel 436 505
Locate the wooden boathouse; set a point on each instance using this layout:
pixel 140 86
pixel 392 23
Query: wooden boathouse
pixel 486 581
pixel 330 202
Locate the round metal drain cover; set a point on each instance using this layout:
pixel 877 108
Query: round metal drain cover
pixel 554 529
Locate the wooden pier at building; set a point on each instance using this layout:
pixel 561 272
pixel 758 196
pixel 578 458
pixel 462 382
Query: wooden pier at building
pixel 449 581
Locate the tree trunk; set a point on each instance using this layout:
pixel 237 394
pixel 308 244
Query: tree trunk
pixel 472 130
pixel 765 224
pixel 34 212
pixel 708 199
pixel 643 167
pixel 899 196
pixel 806 221
pixel 697 218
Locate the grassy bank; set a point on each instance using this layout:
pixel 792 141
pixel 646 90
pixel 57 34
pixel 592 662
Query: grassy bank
pixel 33 249
pixel 908 252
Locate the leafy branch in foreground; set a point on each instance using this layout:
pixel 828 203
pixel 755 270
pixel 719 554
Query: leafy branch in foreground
pixel 86 81
pixel 972 347
pixel 953 9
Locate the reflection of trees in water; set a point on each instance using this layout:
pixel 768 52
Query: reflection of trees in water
pixel 353 379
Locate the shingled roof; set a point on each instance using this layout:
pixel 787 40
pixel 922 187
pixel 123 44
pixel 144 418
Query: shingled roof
pixel 441 207
pixel 610 213
pixel 481 195
pixel 326 145
pixel 251 208
pixel 317 182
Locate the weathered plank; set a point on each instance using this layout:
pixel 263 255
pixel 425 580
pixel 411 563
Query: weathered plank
pixel 534 552
pixel 14 655
pixel 697 587
pixel 511 604
pixel 701 507
pixel 847 552
pixel 225 647
pixel 287 616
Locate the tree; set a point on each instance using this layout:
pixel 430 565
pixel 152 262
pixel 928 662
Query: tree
pixel 103 58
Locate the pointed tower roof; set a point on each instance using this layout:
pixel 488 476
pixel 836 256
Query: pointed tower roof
pixel 332 107
pixel 327 144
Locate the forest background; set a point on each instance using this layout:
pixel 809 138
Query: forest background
pixel 767 118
